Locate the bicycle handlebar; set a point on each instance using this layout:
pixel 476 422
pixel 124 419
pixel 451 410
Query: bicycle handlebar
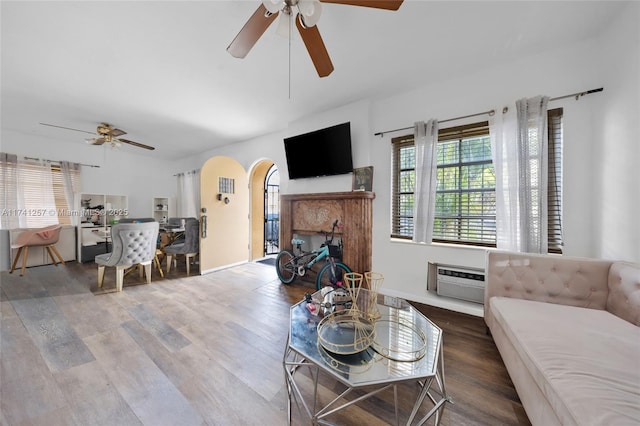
pixel 327 233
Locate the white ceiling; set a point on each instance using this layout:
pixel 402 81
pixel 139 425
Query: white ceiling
pixel 160 71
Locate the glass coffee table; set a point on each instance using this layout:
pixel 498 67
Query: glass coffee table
pixel 405 346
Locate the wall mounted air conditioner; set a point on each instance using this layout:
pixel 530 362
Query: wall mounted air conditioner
pixel 458 282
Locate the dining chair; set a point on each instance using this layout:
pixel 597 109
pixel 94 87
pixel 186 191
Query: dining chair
pixel 156 257
pixel 189 247
pixel 46 237
pixel 133 244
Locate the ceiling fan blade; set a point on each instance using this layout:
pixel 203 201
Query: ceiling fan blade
pixel 316 48
pixel 117 132
pixel 134 143
pixel 378 4
pixel 68 128
pixel 251 32
pixel 98 141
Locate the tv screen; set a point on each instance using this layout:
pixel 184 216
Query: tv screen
pixel 323 152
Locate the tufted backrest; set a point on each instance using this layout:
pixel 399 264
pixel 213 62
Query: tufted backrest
pixel 133 243
pixel 624 291
pixel 191 241
pixel 547 278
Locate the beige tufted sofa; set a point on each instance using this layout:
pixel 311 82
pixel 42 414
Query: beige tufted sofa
pixel 568 331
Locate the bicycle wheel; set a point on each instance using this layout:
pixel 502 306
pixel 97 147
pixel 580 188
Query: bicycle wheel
pixel 286 267
pixel 326 275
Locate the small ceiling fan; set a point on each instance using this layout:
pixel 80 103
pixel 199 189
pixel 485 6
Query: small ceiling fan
pixel 105 133
pixel 306 18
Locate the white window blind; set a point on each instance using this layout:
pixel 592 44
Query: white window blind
pixel 37 186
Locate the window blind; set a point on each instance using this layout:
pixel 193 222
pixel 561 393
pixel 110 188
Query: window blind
pixel 554 195
pixel 38 190
pixel 402 186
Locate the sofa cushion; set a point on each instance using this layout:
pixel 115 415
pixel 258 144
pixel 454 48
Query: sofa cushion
pixel 554 279
pixel 585 361
pixel 624 291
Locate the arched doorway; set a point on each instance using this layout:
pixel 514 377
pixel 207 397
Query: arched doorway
pixel 264 181
pixel 272 211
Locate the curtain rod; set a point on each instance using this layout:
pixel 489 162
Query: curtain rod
pixel 490 113
pixel 58 161
pixel 493 111
pixel 188 171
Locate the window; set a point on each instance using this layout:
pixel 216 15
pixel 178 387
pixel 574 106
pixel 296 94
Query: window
pixel 465 211
pixel 466 190
pixel 465 193
pixel 33 194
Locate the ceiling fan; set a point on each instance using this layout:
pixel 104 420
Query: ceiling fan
pixel 105 133
pixel 306 19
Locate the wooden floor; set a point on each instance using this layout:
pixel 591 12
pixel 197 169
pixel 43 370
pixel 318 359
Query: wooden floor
pixel 199 350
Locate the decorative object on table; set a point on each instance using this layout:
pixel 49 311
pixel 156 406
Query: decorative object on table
pixel 374 281
pixel 363 179
pixel 409 349
pixel 343 334
pixel 348 331
pixel 353 284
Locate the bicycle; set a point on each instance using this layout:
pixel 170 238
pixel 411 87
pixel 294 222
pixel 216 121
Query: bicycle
pixel 289 265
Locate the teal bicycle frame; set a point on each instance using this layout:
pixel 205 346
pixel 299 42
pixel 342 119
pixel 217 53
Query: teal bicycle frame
pixel 320 254
pixel 290 265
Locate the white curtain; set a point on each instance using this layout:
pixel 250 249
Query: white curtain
pixel 9 194
pixel 520 157
pixel 71 187
pixel 426 142
pixel 188 202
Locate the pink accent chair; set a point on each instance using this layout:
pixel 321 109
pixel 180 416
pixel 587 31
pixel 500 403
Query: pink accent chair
pixel 46 237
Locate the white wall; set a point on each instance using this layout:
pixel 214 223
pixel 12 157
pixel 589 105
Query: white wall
pixel 138 176
pixel 617 227
pixel 272 147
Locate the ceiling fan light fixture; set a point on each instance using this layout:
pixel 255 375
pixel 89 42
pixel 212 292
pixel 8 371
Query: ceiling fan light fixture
pixel 310 11
pixel 273 6
pixel 284 23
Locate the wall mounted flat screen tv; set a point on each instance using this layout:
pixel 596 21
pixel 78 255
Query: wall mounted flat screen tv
pixel 323 152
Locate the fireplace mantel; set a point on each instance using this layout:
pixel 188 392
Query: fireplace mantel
pixel 310 213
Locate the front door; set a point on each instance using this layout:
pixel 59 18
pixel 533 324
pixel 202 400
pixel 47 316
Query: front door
pixel 224 214
pixel 272 211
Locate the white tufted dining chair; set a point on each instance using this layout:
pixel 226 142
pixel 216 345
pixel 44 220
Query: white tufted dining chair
pixel 133 244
